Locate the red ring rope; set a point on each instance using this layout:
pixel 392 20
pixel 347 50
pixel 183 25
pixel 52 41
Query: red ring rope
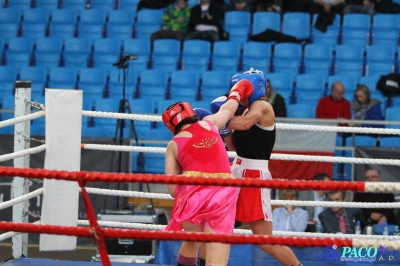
pixel 175 235
pixel 83 176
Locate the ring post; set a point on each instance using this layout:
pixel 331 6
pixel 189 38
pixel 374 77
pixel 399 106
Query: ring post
pixel 20 186
pixel 63 152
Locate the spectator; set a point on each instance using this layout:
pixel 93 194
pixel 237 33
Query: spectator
pixel 205 21
pixel 315 195
pixel 377 215
pixel 338 219
pixel 240 5
pixel 276 100
pixel 359 6
pixel 365 108
pixel 175 22
pixel 334 106
pixel 326 10
pixel 290 218
pixel 387 6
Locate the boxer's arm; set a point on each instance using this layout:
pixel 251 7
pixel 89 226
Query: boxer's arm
pixel 253 116
pixel 172 167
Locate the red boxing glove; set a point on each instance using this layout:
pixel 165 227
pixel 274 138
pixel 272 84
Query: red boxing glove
pixel 241 90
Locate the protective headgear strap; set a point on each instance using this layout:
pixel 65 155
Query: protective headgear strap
pixel 175 113
pixel 257 78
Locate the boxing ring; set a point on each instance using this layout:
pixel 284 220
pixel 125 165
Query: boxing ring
pixel 60 234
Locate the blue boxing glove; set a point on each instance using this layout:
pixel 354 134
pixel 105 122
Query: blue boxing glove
pixel 214 107
pixel 201 113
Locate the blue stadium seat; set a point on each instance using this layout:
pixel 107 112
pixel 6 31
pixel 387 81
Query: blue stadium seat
pixel 225 56
pixel 128 4
pixel 380 59
pixel 332 35
pixel 35 16
pixel 93 82
pixel 103 4
pixel 390 142
pixel 214 84
pixel 48 52
pixel 361 141
pixel 115 84
pixel 140 48
pixel 281 82
pixel 63 31
pixel 10 15
pixel 184 85
pixel 257 55
pixel 26 4
pixel 38 77
pixel 310 87
pixel 7 103
pixel 153 84
pixel 287 58
pixel 148 21
pixel 67 16
pixel 385 29
pixel 196 55
pixel 19 52
pixel 370 81
pixel 107 105
pixel 106 52
pixel 8 76
pixel 384 100
pixel 75 4
pixel 9 30
pixel 121 32
pixel 392 114
pixel 34 31
pixel 48 4
pixel 297 24
pixel 349 59
pixel 88 31
pixel 356 29
pixel 237 24
pixel 93 16
pixel 318 59
pixel 63 78
pixel 166 54
pixel 121 17
pixel 263 20
pixel 77 52
pixel 300 110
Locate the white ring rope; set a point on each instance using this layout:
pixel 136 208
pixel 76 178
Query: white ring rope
pixel 21 119
pixel 297 203
pixel 22 153
pixel 274 156
pixel 157 118
pixel 20 199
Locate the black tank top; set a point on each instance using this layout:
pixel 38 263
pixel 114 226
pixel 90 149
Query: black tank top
pixel 255 143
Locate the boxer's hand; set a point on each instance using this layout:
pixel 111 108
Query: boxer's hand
pixel 241 91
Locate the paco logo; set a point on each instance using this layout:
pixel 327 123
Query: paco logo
pixel 353 254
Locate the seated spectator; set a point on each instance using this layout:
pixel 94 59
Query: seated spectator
pixel 338 219
pixel 326 10
pixel 240 5
pixel 359 6
pixel 377 215
pixel 175 22
pixel 315 195
pixel 334 106
pixel 365 108
pixel 205 21
pixel 276 100
pixel 290 218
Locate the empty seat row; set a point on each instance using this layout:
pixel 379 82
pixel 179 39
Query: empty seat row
pixel 75 4
pixel 292 58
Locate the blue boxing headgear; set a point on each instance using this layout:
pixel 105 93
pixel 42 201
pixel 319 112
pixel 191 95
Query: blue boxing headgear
pixel 256 78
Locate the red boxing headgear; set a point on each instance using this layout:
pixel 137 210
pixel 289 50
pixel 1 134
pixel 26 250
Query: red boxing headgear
pixel 175 113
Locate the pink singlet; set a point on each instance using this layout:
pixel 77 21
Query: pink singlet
pixel 204 154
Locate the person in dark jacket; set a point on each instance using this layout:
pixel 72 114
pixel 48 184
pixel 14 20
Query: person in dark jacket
pixel 205 21
pixel 276 100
